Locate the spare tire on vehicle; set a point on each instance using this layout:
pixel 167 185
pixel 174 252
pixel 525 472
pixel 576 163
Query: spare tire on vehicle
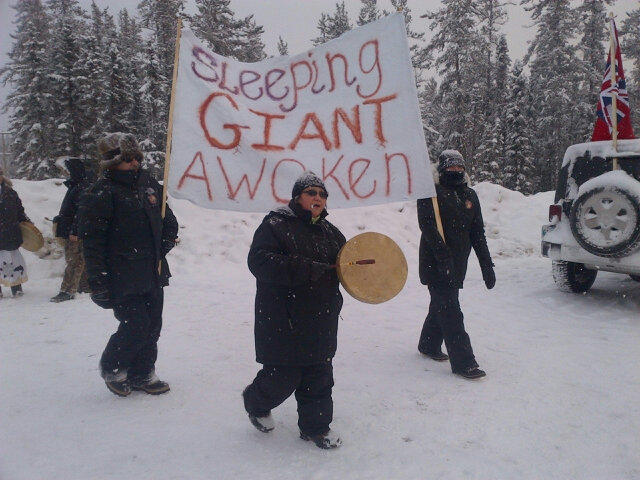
pixel 605 221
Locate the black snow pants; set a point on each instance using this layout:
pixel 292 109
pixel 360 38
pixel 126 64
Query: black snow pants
pixel 312 386
pixel 445 321
pixel 134 347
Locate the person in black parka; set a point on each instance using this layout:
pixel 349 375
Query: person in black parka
pixel 293 256
pixel 13 269
pixel 443 264
pixel 124 239
pixel 67 228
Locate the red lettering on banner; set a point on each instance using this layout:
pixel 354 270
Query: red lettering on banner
pixel 232 126
pixel 245 179
pixel 330 58
pixel 266 146
pixel 376 64
pixel 313 118
pixel 378 103
pixel 273 178
pixel 204 177
pixel 354 125
pixel 388 159
pixel 353 183
pixel 330 174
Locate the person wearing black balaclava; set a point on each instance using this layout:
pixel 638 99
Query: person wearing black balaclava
pixel 443 264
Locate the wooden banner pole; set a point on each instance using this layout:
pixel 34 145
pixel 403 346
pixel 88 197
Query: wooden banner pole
pixel 167 155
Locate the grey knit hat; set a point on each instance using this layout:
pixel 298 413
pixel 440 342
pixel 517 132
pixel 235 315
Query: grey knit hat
pixel 450 158
pixel 306 180
pixel 115 147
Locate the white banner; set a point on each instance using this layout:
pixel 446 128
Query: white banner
pixel 346 110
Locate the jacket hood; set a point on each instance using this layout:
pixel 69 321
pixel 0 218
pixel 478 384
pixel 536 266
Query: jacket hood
pixel 75 167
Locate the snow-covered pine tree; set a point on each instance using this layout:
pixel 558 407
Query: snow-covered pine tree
pixel 332 26
pixel 251 47
pixel 93 90
pixel 283 47
pixel 368 12
pixel 29 101
pixel 593 42
pixel 153 93
pixel 66 75
pixel 452 50
pixel 430 114
pixel 419 54
pixel 490 155
pixel 216 25
pixel 160 16
pixel 555 84
pixel 519 168
pixel 117 95
pixel 630 44
pixel 130 47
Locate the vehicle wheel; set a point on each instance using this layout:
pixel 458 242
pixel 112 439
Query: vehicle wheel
pixel 635 277
pixel 605 221
pixel 573 277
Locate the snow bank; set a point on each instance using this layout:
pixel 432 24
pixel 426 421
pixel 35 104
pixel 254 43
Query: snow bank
pixel 512 222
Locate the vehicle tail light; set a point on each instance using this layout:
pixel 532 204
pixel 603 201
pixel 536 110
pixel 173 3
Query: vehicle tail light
pixel 555 211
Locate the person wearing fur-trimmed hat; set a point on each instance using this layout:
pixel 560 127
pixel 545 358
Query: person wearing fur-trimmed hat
pixel 13 268
pixel 125 239
pixel 443 263
pixel 292 256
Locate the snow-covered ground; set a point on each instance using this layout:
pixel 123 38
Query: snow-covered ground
pixel 561 399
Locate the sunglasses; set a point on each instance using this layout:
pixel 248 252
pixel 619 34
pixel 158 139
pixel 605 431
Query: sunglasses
pixel 313 193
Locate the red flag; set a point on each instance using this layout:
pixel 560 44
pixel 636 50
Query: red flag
pixel 604 125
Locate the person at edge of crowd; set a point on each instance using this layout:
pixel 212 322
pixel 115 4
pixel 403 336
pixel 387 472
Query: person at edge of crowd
pixel 75 277
pixel 293 256
pixel 443 264
pixel 124 240
pixel 13 269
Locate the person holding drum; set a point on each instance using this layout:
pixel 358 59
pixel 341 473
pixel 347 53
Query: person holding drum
pixel 297 304
pixel 443 264
pixel 13 269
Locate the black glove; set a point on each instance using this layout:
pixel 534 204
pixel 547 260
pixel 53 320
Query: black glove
pixel 102 299
pixel 318 269
pixel 489 276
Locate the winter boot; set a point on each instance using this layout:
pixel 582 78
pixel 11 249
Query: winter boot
pixel 264 424
pixel 150 384
pixel 436 355
pixel 0 292
pixel 117 382
pixel 471 373
pixel 62 297
pixel 17 291
pixel 325 441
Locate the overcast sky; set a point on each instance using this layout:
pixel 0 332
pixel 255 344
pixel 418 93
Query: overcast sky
pixel 296 20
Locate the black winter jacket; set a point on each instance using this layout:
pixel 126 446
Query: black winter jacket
pixel 124 236
pixel 76 184
pixel 463 229
pixel 11 214
pixel 297 296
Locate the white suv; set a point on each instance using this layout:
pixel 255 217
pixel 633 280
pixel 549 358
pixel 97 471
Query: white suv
pixel 594 223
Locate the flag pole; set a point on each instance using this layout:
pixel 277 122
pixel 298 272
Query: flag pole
pixel 167 155
pixel 614 95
